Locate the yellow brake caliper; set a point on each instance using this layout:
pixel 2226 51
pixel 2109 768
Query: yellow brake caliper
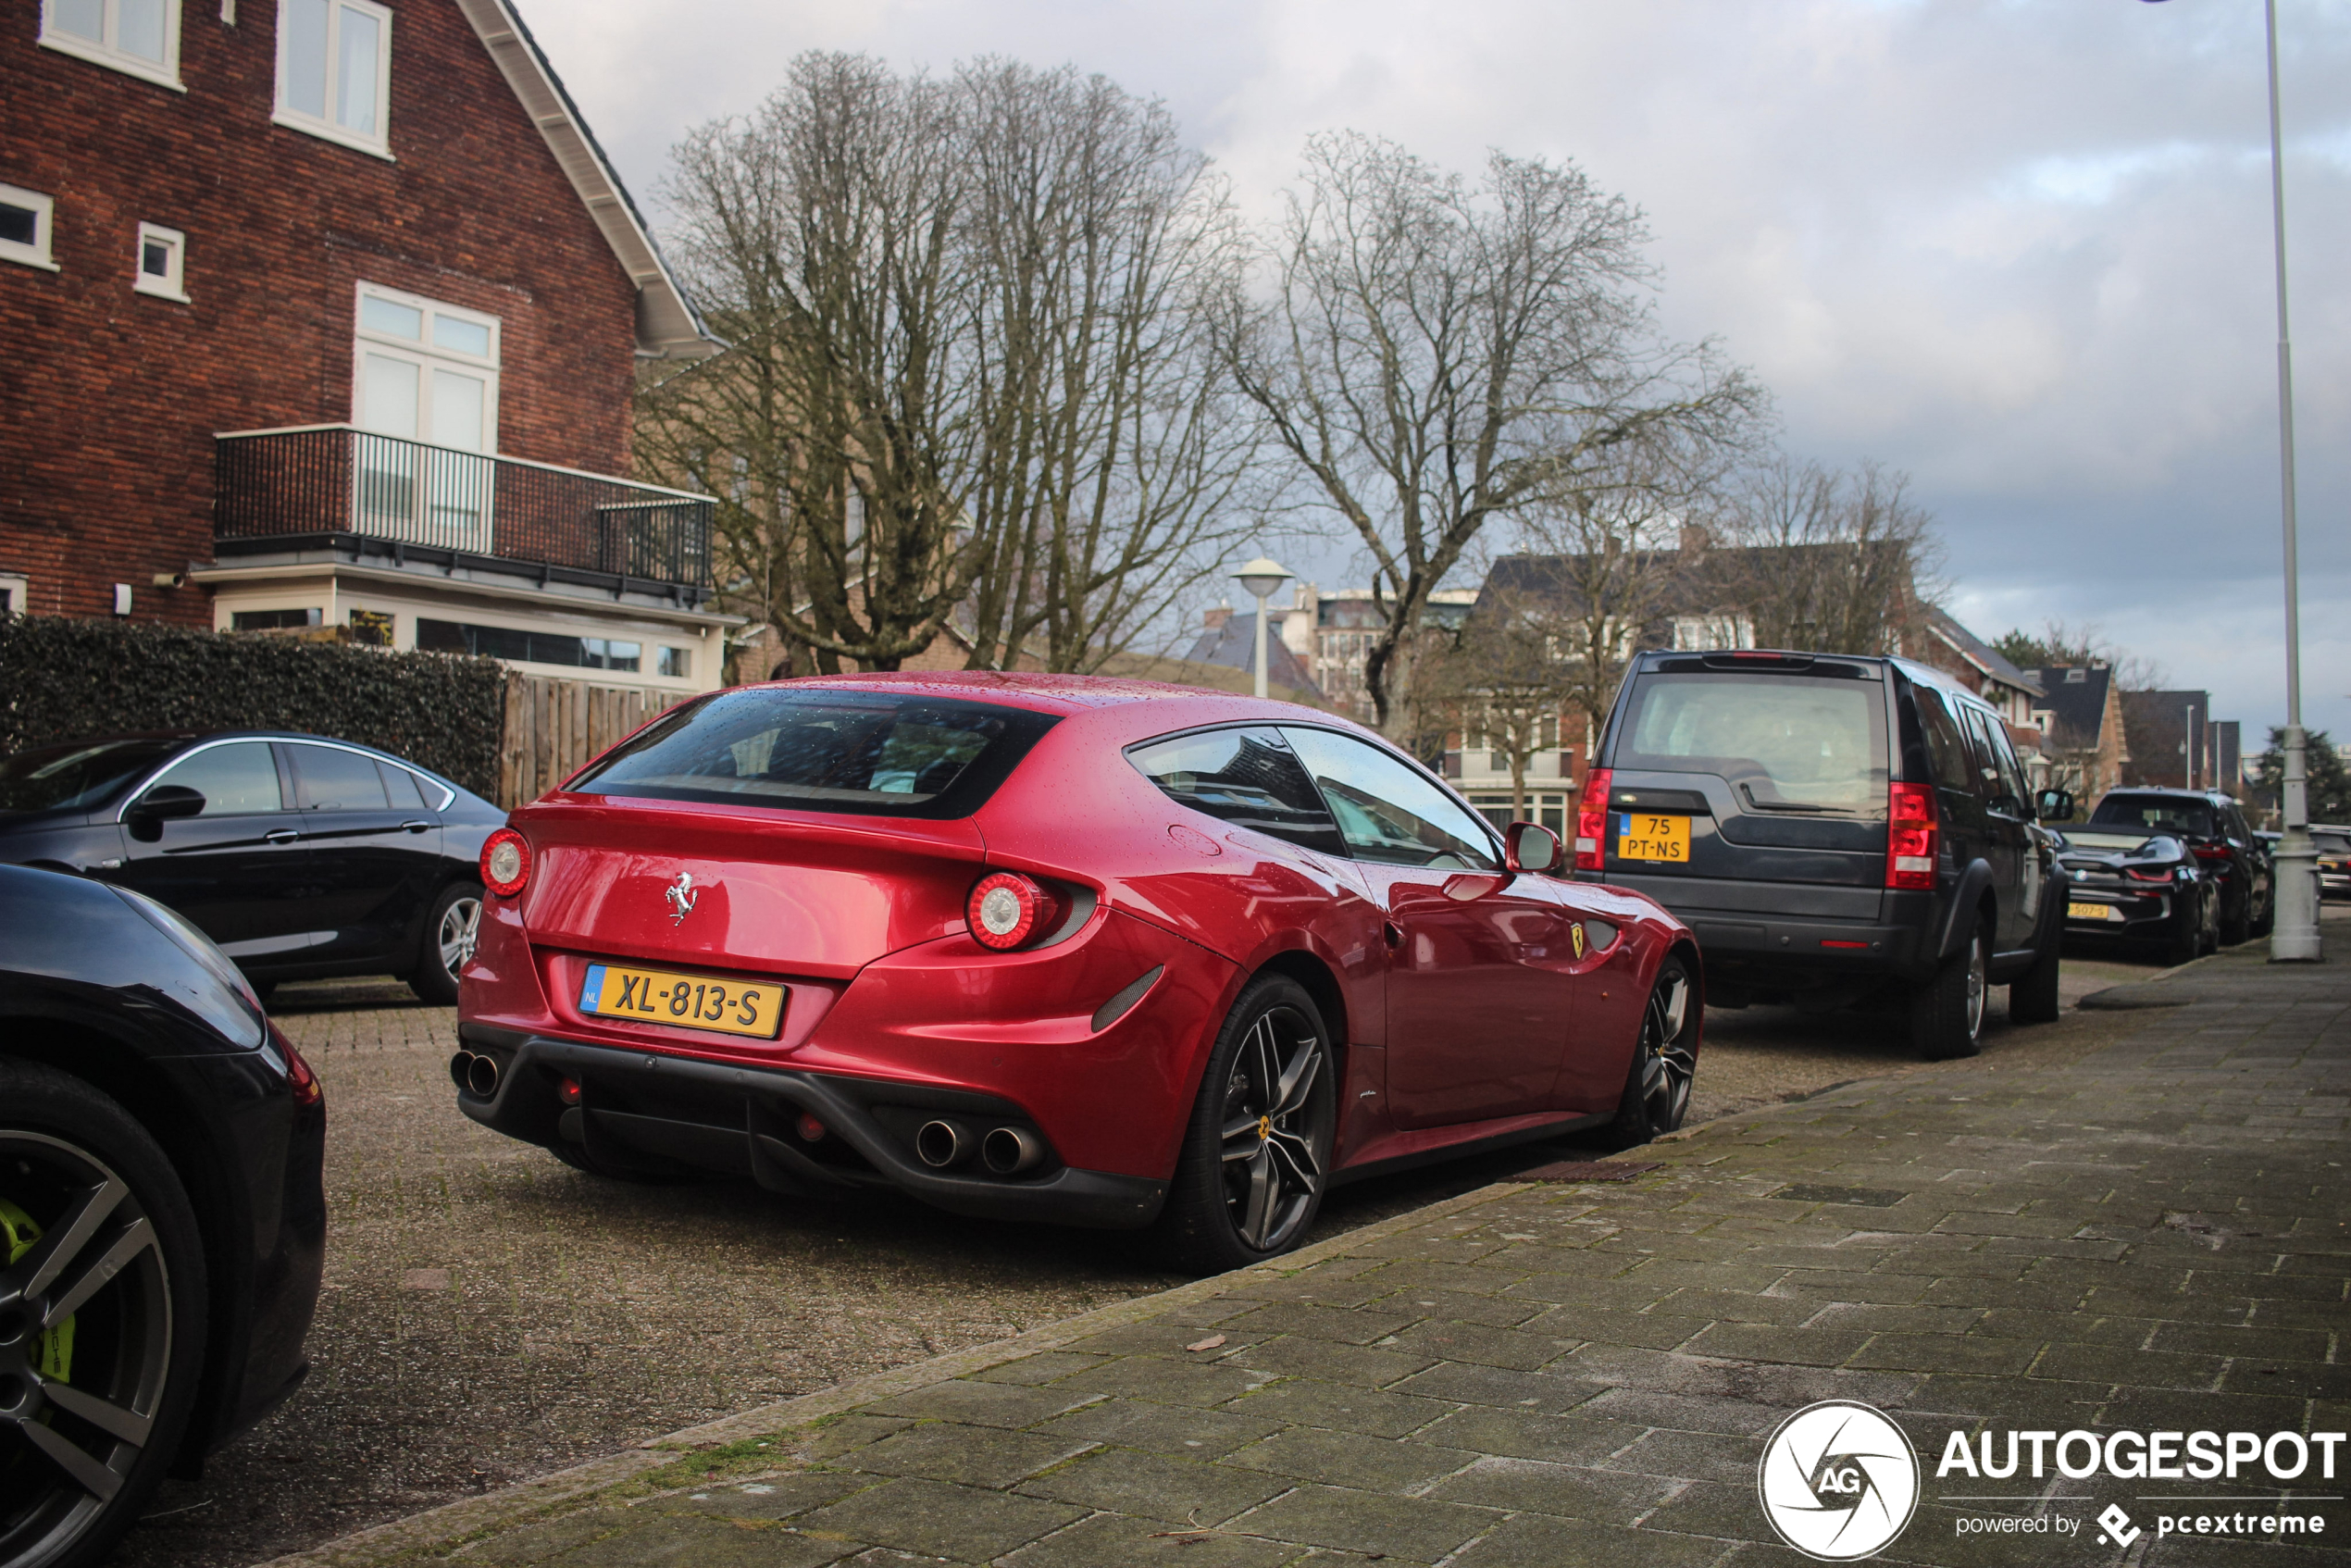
pixel 18 1235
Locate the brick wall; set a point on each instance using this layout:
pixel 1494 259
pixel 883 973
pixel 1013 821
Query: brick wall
pixel 111 398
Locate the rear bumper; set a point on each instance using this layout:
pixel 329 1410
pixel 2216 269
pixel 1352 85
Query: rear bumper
pixel 2144 916
pixel 658 1111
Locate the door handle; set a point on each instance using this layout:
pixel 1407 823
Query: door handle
pixel 280 835
pixel 415 826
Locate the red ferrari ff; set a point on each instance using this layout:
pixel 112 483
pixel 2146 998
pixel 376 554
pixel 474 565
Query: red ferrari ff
pixel 1101 953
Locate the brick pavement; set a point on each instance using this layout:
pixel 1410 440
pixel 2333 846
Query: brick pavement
pixel 2150 1235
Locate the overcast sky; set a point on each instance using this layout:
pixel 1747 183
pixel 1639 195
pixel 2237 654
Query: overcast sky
pixel 2020 250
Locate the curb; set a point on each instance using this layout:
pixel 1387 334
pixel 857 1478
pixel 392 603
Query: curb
pixel 451 1523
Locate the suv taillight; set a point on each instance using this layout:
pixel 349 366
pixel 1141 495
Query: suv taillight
pixel 1591 821
pixel 1909 836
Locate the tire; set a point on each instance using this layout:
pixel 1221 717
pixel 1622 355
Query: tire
pixel 2238 928
pixel 452 927
pixel 1947 1014
pixel 77 1172
pixel 2032 996
pixel 1664 1065
pixel 1256 1153
pixel 2187 944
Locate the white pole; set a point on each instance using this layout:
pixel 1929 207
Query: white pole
pixel 1261 647
pixel 2295 938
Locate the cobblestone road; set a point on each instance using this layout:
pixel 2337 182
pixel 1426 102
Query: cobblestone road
pixel 490 1315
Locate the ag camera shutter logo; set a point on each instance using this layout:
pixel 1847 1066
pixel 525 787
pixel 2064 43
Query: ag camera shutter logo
pixel 1838 1481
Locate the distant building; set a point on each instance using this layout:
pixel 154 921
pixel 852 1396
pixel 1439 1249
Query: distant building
pixel 1327 637
pixel 2083 743
pixel 2175 741
pixel 1230 641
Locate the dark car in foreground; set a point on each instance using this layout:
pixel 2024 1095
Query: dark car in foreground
pixel 2128 885
pixel 1837 830
pixel 162 1216
pixel 2229 855
pixel 300 857
pixel 1098 952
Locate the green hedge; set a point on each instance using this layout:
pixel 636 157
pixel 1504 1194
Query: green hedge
pixel 62 680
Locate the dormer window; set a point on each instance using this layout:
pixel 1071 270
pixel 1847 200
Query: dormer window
pixel 334 72
pixel 138 37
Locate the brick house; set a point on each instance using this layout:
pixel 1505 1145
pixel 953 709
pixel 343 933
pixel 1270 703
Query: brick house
pixel 351 348
pixel 2083 739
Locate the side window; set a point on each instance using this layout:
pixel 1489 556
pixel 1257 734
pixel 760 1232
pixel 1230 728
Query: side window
pixel 1946 748
pixel 1388 812
pixel 1248 778
pixel 401 785
pixel 1987 769
pixel 2011 779
pixel 338 780
pixel 234 779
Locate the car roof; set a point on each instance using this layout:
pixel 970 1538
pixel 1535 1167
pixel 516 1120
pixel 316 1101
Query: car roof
pixel 1063 695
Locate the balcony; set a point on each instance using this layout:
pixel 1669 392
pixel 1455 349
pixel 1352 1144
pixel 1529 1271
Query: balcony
pixel 357 493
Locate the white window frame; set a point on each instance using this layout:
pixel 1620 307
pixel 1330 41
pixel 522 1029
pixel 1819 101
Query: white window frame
pixel 421 352
pixel 326 128
pixel 16 594
pixel 105 52
pixel 39 253
pixel 173 284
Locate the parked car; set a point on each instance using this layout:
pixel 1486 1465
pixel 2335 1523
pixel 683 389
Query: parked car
pixel 2228 852
pixel 2335 861
pixel 162 1216
pixel 300 857
pixel 1837 830
pixel 1098 952
pixel 2129 885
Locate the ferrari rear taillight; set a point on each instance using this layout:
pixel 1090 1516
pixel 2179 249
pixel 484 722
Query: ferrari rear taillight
pixel 1591 820
pixel 1006 908
pixel 1911 834
pixel 506 863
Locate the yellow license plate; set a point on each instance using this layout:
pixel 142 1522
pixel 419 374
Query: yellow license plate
pixel 685 1002
pixel 2092 912
pixel 1642 836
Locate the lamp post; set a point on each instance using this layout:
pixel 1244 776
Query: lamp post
pixel 1260 577
pixel 2295 937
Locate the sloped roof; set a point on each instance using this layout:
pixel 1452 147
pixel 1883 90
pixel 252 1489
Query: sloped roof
pixel 667 323
pixel 1233 644
pixel 1987 659
pixel 2077 706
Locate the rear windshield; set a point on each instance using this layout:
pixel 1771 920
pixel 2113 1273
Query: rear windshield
pixel 867 752
pixel 77 776
pixel 1786 742
pixel 2154 814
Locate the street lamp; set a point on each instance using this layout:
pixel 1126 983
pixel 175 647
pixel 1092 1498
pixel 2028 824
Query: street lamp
pixel 1260 577
pixel 2295 937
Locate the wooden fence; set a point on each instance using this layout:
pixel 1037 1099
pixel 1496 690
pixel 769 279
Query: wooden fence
pixel 554 726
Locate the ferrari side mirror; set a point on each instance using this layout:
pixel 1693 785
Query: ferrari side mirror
pixel 1530 846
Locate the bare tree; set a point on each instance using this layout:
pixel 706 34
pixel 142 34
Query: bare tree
pixel 1437 355
pixel 2058 644
pixel 1834 561
pixel 974 381
pixel 1503 680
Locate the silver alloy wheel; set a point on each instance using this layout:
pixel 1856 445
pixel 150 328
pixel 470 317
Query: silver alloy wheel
pixel 1976 987
pixel 80 1404
pixel 1272 1172
pixel 1669 1064
pixel 460 929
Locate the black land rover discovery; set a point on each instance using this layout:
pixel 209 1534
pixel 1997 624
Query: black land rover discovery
pixel 1838 830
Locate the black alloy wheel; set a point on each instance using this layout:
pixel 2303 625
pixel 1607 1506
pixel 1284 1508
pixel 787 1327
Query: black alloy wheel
pixel 1657 1087
pixel 1256 1156
pixel 453 926
pixel 102 1318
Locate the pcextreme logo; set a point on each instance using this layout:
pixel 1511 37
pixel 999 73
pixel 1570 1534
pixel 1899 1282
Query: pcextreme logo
pixel 1838 1480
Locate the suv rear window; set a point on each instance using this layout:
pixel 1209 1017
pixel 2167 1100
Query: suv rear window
pixel 872 753
pixel 1788 742
pixel 2154 814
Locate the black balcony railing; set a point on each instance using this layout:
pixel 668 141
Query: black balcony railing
pixel 336 480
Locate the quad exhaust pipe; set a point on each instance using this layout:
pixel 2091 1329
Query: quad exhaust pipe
pixel 1004 1150
pixel 474 1073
